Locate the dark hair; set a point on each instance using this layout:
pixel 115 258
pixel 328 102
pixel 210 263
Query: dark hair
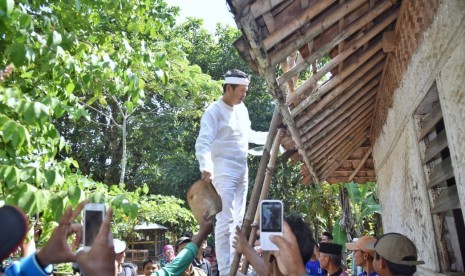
pixel 147 261
pixel 336 259
pixel 234 73
pixel 188 234
pixel 303 234
pixel 327 234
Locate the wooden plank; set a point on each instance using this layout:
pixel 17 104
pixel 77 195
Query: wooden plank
pixel 441 172
pixel 360 165
pixel 430 121
pixel 435 146
pixel 390 41
pixel 447 200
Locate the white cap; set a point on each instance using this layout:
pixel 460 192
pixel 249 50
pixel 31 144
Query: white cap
pixel 119 245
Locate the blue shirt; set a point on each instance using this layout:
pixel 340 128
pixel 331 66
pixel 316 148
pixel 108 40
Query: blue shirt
pixel 28 267
pixel 365 274
pixel 313 268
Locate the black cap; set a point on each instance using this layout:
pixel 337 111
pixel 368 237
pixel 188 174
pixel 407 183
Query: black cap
pixel 331 248
pixel 181 241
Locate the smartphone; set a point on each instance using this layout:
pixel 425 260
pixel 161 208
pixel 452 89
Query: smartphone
pixel 93 218
pixel 271 222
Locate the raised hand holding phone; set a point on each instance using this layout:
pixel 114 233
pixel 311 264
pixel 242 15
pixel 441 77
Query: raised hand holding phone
pixel 271 222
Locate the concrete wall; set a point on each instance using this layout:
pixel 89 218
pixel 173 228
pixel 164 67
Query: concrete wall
pixel 401 180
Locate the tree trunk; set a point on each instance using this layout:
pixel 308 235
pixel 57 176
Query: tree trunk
pixel 123 154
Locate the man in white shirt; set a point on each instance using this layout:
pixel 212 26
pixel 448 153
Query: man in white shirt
pixel 221 149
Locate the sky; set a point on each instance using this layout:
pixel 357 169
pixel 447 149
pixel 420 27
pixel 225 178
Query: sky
pixel 211 11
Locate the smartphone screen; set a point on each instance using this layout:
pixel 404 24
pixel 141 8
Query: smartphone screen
pixel 92 222
pixel 271 222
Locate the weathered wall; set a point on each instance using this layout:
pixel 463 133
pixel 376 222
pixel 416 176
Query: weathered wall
pixel 401 183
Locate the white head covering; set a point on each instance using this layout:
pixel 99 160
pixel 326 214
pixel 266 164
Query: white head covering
pixel 236 80
pixel 119 245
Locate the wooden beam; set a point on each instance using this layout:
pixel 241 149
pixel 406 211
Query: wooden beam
pixel 320 159
pixel 351 177
pixel 441 172
pixel 315 29
pixel 308 84
pixel 334 81
pixel 362 124
pixel 338 116
pixel 360 113
pixel 368 76
pixel 341 155
pixel 339 106
pixel 296 23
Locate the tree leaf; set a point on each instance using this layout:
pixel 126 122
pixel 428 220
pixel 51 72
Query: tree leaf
pixel 74 194
pixel 11 175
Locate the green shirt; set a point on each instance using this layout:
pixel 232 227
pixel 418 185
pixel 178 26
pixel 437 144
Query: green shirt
pixel 180 263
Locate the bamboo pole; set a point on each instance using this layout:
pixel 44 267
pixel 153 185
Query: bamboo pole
pixel 339 59
pixel 343 156
pixel 324 160
pixel 368 76
pixel 325 88
pixel 312 128
pixel 341 104
pixel 361 113
pixel 336 137
pixel 253 203
pixel 347 32
pixel 315 29
pixel 351 177
pixel 266 184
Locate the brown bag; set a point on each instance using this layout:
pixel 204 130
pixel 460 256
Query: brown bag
pixel 204 200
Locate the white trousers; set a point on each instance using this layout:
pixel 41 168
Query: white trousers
pixel 233 192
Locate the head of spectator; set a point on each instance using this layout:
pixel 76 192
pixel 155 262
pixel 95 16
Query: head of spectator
pixel 11 237
pixel 362 255
pixel 120 250
pixel 180 244
pixel 188 234
pixel 331 257
pixel 149 266
pixel 395 254
pixel 302 233
pixel 326 237
pixel 168 251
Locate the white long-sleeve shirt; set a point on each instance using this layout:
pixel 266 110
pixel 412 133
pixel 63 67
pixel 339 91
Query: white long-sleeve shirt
pixel 223 141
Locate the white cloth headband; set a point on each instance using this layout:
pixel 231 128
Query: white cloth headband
pixel 236 80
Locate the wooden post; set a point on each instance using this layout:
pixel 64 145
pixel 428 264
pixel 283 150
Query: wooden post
pixel 253 203
pixel 263 193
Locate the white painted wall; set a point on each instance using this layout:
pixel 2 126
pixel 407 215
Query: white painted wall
pixel 401 181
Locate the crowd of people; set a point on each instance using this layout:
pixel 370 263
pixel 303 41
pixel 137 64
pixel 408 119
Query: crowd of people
pixel 221 149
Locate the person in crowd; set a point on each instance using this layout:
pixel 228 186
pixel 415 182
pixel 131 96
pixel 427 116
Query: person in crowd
pixel 57 250
pixel 313 265
pixel 221 149
pixel 201 262
pixel 191 269
pixel 331 259
pixel 326 237
pixel 122 268
pixel 149 266
pixel 209 254
pixel 168 255
pixel 395 254
pixel 11 237
pixel 186 255
pixel 295 245
pixel 362 255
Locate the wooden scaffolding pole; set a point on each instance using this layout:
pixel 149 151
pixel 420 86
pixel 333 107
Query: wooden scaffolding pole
pixel 254 198
pixel 263 194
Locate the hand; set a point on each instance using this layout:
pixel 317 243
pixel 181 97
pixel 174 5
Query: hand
pixel 206 227
pixel 240 241
pixel 288 256
pixel 206 176
pixel 57 250
pixel 100 260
